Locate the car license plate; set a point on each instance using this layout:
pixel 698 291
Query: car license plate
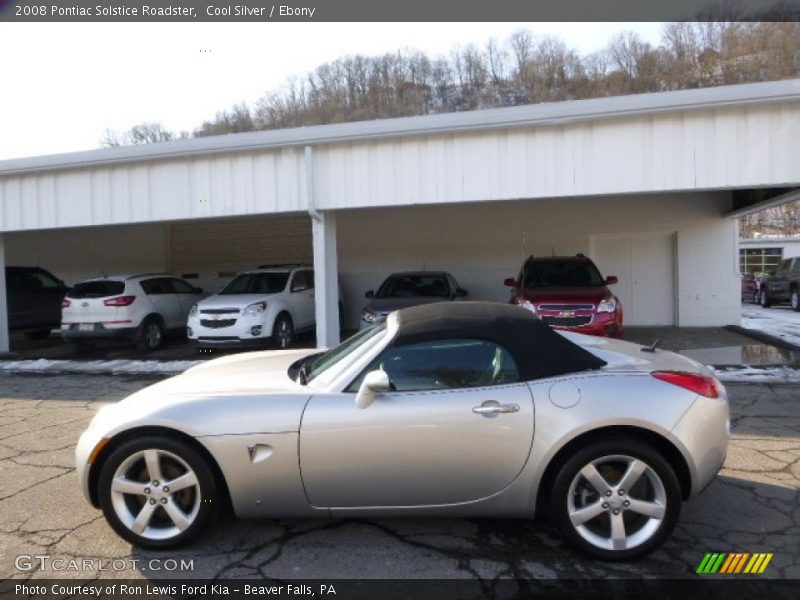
pixel 86 327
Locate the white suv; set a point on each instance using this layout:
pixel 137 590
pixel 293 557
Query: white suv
pixel 134 307
pixel 268 304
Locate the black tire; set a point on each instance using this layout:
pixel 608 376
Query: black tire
pixel 283 332
pixel 794 300
pixel 205 506
pixel 765 299
pixel 656 530
pixel 39 334
pixel 151 335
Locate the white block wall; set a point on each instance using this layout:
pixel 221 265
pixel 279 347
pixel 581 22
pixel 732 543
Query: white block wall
pixel 76 254
pixel 483 243
pixel 480 243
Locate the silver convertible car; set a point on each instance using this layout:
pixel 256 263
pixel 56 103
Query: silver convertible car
pixel 461 409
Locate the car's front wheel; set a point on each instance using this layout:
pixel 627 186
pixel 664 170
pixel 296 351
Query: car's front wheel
pixel 156 492
pixel 283 332
pixel 151 335
pixel 616 499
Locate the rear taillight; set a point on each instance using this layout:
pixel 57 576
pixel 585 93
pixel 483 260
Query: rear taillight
pixel 120 301
pixel 65 303
pixel 699 384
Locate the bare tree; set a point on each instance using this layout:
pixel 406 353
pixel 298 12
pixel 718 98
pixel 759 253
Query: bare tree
pixel 144 133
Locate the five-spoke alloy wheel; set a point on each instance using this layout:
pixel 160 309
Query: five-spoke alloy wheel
pixel 616 499
pixel 156 492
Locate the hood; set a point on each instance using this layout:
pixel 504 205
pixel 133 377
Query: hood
pixel 224 395
pixel 238 301
pixel 590 293
pixel 383 306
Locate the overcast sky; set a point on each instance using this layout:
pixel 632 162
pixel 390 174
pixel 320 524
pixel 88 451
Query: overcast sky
pixel 64 84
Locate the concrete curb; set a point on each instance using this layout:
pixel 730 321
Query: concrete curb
pixel 763 337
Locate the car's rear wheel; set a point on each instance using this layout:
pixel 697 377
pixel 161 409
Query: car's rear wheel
pixel 39 334
pixel 795 300
pixel 765 300
pixel 616 499
pixel 151 335
pixel 156 492
pixel 283 332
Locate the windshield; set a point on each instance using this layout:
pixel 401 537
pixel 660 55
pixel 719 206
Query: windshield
pixel 560 274
pixel 257 283
pixel 413 286
pixel 319 363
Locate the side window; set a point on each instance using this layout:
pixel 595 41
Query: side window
pixel 162 285
pixel 43 280
pixel 444 364
pixel 181 287
pixel 302 280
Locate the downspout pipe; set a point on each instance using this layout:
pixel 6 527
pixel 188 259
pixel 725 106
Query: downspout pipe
pixel 310 191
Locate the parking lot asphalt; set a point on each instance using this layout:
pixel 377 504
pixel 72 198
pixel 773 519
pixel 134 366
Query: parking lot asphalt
pixel 753 506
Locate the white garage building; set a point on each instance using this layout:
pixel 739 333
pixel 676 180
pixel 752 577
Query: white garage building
pixel 646 185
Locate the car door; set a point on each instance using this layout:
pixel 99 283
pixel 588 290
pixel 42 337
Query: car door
pixel 20 313
pixel 301 295
pixel 778 284
pixel 166 302
pixel 457 427
pixel 47 298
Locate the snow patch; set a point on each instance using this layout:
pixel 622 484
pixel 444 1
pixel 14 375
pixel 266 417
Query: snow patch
pixel 98 367
pixel 780 322
pixel 756 375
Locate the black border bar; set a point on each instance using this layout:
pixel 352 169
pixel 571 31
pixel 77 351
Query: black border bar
pixel 396 10
pixel 700 588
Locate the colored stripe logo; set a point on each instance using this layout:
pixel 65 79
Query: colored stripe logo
pixel 731 563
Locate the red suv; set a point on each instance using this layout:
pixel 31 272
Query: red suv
pixel 568 292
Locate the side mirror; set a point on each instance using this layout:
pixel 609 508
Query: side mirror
pixel 198 290
pixel 460 293
pixel 370 294
pixel 510 282
pixel 611 280
pixel 374 383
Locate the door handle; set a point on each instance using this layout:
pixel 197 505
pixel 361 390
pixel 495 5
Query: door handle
pixel 491 407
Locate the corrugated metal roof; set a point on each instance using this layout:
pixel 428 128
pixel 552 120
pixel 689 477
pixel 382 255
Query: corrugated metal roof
pixel 499 118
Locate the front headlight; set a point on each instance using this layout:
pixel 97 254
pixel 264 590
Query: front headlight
pixel 368 316
pixel 527 304
pixel 193 311
pixel 254 309
pixel 607 305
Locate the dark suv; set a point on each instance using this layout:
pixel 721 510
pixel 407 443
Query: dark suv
pixel 568 292
pixel 34 299
pixel 783 286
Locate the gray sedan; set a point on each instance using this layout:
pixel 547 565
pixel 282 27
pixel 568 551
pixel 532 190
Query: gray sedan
pixel 403 290
pixel 468 409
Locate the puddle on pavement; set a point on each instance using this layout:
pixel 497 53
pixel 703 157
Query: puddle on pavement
pixel 749 354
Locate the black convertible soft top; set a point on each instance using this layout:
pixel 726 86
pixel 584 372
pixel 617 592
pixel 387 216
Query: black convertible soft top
pixel 537 349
